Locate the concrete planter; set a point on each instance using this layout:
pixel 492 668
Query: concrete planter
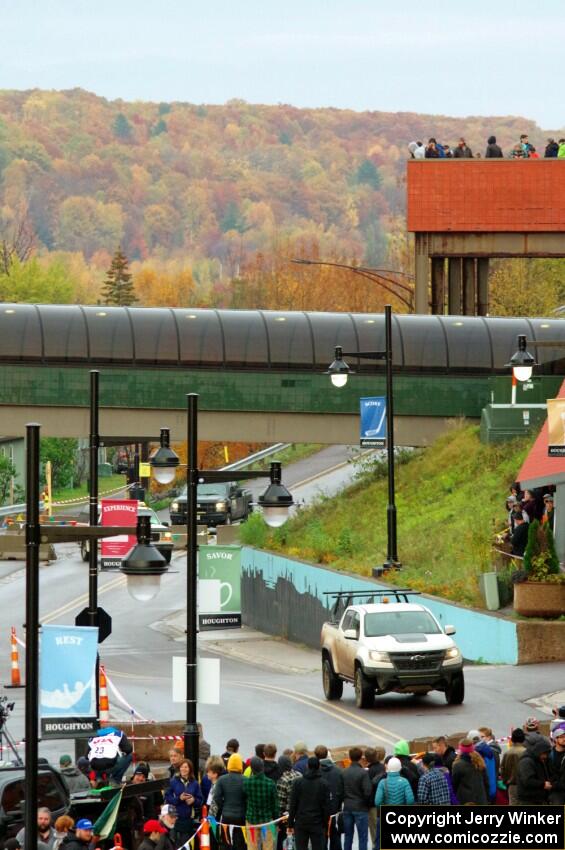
pixel 539 599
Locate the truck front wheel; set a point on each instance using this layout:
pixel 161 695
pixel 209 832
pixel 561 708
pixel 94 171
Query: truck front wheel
pixel 455 691
pixel 364 690
pixel 333 686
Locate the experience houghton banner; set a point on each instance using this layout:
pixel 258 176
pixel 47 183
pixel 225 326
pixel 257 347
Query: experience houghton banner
pixel 67 692
pixel 117 512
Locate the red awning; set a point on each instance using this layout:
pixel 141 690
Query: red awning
pixel 539 470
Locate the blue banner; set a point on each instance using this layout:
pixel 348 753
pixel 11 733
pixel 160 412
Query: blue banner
pixel 67 697
pixel 373 422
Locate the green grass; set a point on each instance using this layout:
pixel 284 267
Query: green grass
pixel 104 485
pixel 293 453
pixel 450 499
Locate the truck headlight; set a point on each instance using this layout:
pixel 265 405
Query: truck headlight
pixel 220 506
pixel 175 506
pixel 452 654
pixel 374 655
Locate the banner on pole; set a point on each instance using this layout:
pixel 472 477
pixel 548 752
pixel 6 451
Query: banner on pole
pixel 556 427
pixel 207 682
pixel 117 512
pixel 67 692
pixel 373 422
pixel 219 587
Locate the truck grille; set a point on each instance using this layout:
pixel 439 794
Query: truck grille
pixel 409 661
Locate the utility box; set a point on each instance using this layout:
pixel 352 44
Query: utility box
pixel 488 584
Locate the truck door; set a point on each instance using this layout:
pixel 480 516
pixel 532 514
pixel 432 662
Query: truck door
pixel 350 647
pixel 235 501
pixel 341 648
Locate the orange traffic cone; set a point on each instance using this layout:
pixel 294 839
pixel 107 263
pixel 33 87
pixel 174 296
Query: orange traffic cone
pixel 103 701
pixel 205 831
pixel 16 681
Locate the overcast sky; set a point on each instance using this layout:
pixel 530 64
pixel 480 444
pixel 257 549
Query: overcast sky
pixel 477 57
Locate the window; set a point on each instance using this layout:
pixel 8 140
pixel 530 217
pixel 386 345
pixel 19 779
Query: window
pixel 13 797
pixel 400 623
pixel 48 792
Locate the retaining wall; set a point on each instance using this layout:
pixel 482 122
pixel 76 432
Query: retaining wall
pixel 285 597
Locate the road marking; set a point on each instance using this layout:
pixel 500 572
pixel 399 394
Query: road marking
pixel 81 600
pixel 312 702
pixel 341 710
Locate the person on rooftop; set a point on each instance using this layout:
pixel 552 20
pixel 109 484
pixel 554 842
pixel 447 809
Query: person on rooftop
pixel 551 149
pixel 493 150
pixel 561 149
pixel 463 151
pixel 432 150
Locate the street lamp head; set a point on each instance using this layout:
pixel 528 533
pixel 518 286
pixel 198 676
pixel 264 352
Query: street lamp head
pixel 522 362
pixel 276 501
pixel 143 565
pixel 164 461
pixel 339 371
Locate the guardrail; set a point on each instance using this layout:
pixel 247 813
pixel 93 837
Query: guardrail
pixel 246 461
pixel 11 510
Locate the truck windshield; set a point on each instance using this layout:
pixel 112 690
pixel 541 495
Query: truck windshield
pixel 400 623
pixel 217 490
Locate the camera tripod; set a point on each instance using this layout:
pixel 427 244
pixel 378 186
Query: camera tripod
pixel 8 743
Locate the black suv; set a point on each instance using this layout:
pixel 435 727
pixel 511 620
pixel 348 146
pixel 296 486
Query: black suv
pixel 218 504
pixel 52 792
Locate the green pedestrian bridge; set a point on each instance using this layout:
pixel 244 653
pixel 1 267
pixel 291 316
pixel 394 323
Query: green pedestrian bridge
pixel 260 374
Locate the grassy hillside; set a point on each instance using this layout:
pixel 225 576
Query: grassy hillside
pixel 450 498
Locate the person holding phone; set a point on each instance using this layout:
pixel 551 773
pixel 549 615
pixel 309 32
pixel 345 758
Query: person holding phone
pixel 184 794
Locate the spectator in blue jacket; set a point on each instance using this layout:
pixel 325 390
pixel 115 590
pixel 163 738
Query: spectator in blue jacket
pixel 394 789
pixel 184 794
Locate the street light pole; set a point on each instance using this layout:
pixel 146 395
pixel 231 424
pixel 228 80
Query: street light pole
pixel 392 545
pixel 190 734
pixel 94 445
pixel 32 634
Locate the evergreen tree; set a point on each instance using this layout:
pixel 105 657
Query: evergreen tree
pixel 118 286
pixel 121 126
pixel 369 173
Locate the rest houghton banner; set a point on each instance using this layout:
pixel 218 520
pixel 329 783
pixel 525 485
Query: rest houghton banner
pixel 556 427
pixel 219 572
pixel 117 512
pixel 67 694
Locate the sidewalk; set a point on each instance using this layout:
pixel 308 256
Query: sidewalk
pixel 247 645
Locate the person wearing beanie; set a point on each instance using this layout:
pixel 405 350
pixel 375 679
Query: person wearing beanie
pixel 229 799
pixel 357 793
pixel 558 718
pixel 533 772
pixel 557 767
pixel 262 806
pixel 509 764
pixel 75 778
pixel 408 769
pixel 469 776
pixel 309 808
pixel 394 789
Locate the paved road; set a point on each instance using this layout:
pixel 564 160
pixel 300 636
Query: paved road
pixel 261 698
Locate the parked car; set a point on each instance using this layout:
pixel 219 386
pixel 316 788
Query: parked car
pixel 52 792
pixel 161 537
pixel 217 504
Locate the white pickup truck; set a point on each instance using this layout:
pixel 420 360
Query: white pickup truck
pixel 390 646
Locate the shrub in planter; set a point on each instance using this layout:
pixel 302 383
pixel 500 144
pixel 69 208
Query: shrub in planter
pixel 539 588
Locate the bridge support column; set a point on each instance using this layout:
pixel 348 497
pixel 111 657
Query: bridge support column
pixel 469 287
pixel 454 283
pixel 482 286
pixel 438 286
pixel 422 264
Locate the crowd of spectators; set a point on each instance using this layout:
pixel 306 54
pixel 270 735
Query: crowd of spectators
pixel 522 508
pixel 521 150
pixel 303 799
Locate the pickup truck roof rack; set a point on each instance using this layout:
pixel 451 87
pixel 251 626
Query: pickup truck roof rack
pixel 346 597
